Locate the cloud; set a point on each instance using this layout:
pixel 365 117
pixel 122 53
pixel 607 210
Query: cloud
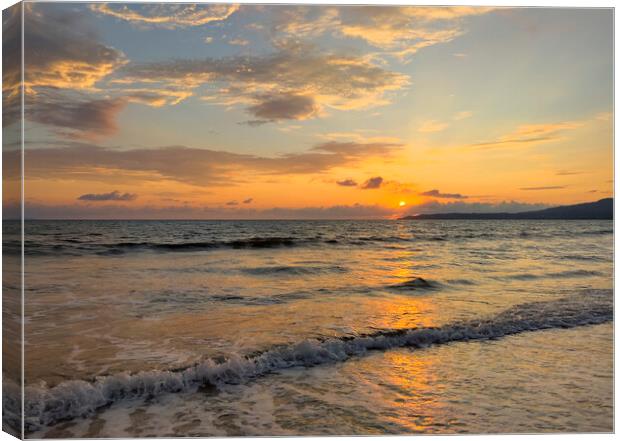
pixel 195 166
pixel 531 134
pixel 296 81
pixel 76 118
pixel 63 66
pixel 568 172
pixel 432 126
pixel 372 183
pixel 354 149
pixel 542 188
pixel 11 70
pixel 438 194
pixel 347 183
pixel 232 203
pixel 462 115
pixel 112 196
pixel 156 97
pixel 239 42
pixel 64 50
pixel 397 30
pixel 248 201
pixel 167 15
pixel 474 207
pixel 36 210
pixel 283 106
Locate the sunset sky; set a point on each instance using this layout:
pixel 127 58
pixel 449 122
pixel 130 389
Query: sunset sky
pixel 228 111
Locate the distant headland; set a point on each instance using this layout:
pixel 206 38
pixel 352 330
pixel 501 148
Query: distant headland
pixel 602 209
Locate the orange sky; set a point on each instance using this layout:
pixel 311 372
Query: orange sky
pixel 227 111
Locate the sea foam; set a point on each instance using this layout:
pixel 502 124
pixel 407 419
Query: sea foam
pixel 70 399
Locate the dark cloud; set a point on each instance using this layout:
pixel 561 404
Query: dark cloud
pixel 283 106
pixel 248 201
pixel 64 57
pixel 232 203
pixel 555 187
pixel 190 165
pixel 437 194
pixel 77 118
pixel 347 183
pixel 372 183
pixel 112 196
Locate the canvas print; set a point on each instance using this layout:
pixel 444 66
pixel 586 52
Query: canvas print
pixel 228 219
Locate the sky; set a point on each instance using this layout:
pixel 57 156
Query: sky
pixel 226 111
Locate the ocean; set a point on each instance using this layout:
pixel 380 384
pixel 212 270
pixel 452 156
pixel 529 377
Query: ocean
pixel 226 328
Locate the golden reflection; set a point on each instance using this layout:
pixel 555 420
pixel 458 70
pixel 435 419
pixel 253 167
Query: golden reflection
pixel 414 380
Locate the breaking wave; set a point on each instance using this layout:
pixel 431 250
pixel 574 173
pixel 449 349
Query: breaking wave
pixel 76 398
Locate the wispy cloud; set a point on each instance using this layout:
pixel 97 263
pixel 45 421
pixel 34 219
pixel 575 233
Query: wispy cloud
pixel 568 172
pixel 239 42
pixel 531 134
pixel 432 125
pixel 167 15
pixel 553 187
pixel 398 31
pixel 462 115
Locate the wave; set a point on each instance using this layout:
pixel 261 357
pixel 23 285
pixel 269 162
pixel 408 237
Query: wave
pixel 253 242
pixel 415 283
pixel 297 270
pixel 560 274
pixel 77 398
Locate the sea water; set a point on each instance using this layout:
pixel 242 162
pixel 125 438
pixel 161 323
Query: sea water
pixel 215 328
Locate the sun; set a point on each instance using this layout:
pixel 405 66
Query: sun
pixel 402 203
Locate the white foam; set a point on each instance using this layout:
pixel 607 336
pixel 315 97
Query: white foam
pixel 77 398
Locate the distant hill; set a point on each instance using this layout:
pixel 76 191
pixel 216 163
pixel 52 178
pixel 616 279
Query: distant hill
pixel 603 209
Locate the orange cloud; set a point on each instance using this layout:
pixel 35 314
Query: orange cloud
pixel 402 31
pixel 168 15
pixel 193 166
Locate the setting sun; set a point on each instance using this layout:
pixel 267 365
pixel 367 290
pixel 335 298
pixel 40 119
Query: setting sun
pixel 402 203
